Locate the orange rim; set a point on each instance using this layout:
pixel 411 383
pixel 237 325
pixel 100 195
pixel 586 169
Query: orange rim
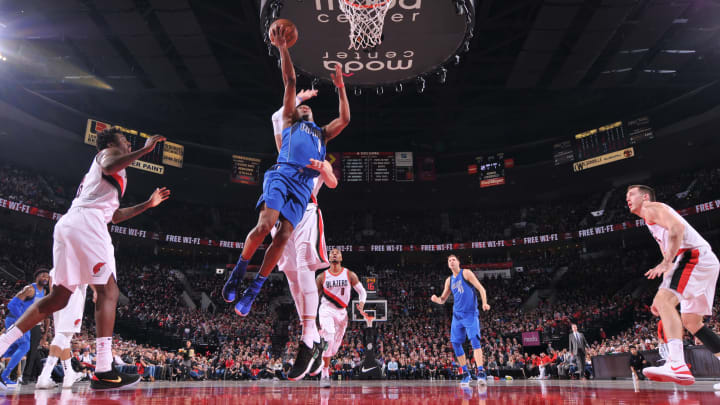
pixel 352 4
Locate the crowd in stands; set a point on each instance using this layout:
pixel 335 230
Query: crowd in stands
pixel 600 291
pixel 383 225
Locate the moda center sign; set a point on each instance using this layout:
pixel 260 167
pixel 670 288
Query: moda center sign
pixel 419 36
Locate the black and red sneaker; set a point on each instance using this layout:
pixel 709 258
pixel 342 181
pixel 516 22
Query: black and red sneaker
pixel 112 380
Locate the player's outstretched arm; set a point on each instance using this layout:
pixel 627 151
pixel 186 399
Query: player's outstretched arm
pixel 469 276
pixel 288 76
pixel 326 172
pixel 112 160
pixel 157 197
pixel 657 213
pixel 336 126
pixel 445 294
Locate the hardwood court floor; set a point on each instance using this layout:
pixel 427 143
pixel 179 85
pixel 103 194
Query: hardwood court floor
pixel 376 392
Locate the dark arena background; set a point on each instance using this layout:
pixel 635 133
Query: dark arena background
pixel 505 132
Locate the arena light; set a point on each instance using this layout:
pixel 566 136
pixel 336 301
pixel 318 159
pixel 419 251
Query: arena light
pixel 315 83
pixel 442 75
pixel 420 84
pixel 399 88
pixel 379 90
pixel 357 91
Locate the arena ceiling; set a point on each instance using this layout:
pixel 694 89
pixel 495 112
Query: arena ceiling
pixel 199 71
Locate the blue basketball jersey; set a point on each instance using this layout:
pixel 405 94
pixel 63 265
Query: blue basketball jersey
pixel 39 293
pixel 302 141
pixel 464 295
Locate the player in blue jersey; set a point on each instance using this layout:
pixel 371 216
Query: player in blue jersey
pixel 16 307
pixel 465 322
pixel 287 187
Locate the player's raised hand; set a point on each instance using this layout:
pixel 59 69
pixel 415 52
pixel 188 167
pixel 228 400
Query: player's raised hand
pixel 152 141
pixel 337 77
pixel 279 35
pixel 317 165
pixel 659 270
pixel 158 196
pixel 305 95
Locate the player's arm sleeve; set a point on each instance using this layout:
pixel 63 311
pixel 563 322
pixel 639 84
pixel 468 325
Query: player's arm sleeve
pixel 362 294
pixel 15 307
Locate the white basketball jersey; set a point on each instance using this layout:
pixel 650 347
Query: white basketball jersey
pixel 336 289
pixel 691 238
pixel 101 191
pixel 317 185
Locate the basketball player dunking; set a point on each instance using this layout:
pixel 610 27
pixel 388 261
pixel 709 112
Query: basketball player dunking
pixel 334 285
pixel 83 252
pixel 288 185
pixel 305 252
pixel 465 322
pixel 689 270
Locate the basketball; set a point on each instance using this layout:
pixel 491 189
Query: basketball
pixel 291 35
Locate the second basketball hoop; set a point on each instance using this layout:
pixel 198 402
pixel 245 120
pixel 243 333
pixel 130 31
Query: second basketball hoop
pixel 366 18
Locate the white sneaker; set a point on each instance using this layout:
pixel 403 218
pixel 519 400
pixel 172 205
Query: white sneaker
pixel 676 372
pixel 71 378
pixel 45 384
pixel 717 386
pixel 325 382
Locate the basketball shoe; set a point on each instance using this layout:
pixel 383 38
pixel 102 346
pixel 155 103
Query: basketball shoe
pixel 671 371
pixel 466 379
pixel 113 379
pixel 303 363
pixel 229 291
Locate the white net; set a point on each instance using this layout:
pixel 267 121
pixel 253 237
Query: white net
pixel 366 19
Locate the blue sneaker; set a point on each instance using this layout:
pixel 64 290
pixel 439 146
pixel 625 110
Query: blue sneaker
pixel 481 378
pixel 9 384
pixel 229 290
pixel 245 302
pixel 466 379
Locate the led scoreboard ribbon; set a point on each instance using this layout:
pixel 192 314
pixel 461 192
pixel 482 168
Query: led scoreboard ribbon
pixel 165 153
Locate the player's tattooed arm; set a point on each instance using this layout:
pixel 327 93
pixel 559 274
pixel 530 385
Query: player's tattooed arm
pixel 445 294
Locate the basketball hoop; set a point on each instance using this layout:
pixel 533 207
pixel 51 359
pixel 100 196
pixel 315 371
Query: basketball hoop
pixel 366 21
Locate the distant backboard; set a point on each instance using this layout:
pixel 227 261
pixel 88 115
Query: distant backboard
pixel 376 307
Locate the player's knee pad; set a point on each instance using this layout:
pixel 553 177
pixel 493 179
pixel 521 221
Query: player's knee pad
pixel 475 342
pixel 62 340
pixel 457 347
pixel 709 339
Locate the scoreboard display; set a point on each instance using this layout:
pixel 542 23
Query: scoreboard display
pixel 376 167
pixel 491 169
pixel 611 138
